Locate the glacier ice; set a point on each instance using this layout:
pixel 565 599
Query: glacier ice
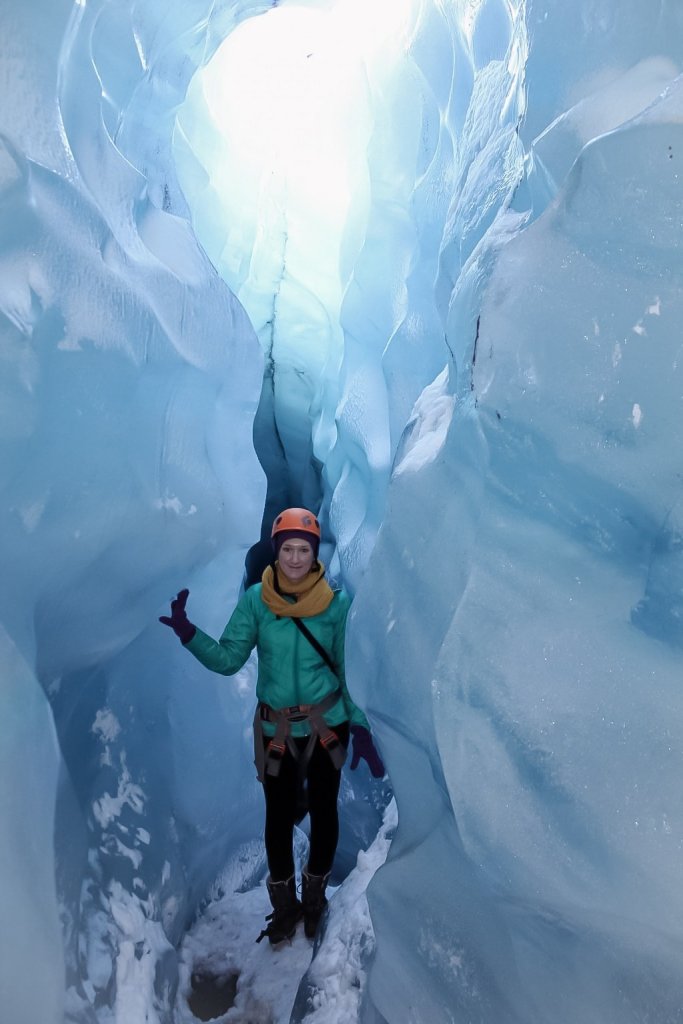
pixel 116 333
pixel 310 225
pixel 493 434
pixel 533 552
pixel 29 762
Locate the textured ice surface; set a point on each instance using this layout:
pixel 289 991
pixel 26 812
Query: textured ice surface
pixel 129 379
pixel 324 226
pixel 522 612
pixel 517 639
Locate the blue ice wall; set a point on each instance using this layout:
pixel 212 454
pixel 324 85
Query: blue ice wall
pixel 130 379
pixel 516 636
pixel 519 625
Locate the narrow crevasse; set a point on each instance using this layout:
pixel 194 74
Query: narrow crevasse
pixel 494 436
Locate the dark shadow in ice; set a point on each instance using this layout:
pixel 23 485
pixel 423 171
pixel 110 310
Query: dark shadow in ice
pixel 212 997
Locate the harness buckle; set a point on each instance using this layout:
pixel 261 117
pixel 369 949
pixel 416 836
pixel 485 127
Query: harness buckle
pixel 298 712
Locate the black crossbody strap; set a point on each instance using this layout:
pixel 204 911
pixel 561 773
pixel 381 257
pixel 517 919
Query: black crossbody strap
pixel 315 644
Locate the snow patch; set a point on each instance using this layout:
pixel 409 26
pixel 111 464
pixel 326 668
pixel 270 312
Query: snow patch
pixel 141 945
pixel 174 504
pixel 107 725
pixel 109 807
pixel 222 945
pixel 114 845
pixel 336 979
pixel 428 426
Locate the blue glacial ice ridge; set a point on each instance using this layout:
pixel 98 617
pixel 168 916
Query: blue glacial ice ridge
pixel 130 379
pixel 531 545
pixel 494 434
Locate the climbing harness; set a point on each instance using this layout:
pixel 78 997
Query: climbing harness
pixel 269 759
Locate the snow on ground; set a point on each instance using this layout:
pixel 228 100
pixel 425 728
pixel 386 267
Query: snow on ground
pixel 336 979
pixel 223 943
pixel 222 946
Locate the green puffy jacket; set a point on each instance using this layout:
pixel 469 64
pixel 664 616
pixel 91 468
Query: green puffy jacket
pixel 290 670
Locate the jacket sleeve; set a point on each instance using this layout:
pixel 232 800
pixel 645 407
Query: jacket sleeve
pixel 237 641
pixel 356 716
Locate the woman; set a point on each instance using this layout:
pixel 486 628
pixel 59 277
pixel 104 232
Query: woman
pixel 305 714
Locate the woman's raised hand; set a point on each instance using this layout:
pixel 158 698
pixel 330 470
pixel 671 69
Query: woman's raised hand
pixel 178 620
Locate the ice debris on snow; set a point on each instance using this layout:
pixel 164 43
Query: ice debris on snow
pixel 334 986
pixel 221 945
pixel 108 807
pixel 106 725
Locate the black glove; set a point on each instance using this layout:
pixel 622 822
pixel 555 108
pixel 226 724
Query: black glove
pixel 178 620
pixel 365 748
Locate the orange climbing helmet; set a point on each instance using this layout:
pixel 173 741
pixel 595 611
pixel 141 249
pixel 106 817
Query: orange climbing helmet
pixel 295 523
pixel 298 520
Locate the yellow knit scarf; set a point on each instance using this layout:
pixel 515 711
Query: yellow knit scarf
pixel 312 594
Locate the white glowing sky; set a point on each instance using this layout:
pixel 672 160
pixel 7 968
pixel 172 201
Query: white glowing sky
pixel 289 117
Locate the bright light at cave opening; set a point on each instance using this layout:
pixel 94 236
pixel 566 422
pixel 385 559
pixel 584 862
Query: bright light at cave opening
pixel 280 121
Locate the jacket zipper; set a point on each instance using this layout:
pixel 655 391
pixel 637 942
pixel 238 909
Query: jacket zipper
pixel 297 688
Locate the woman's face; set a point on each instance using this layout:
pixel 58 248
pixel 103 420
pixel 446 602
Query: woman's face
pixel 295 559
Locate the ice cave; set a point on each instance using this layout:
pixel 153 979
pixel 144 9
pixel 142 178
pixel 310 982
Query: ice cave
pixel 417 265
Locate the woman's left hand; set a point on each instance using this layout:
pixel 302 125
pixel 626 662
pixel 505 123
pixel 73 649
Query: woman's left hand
pixel 178 620
pixel 363 747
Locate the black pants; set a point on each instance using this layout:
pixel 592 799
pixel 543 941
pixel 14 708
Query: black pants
pixel 281 793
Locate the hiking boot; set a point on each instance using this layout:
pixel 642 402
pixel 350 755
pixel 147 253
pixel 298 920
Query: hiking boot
pixel 286 911
pixel 313 901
